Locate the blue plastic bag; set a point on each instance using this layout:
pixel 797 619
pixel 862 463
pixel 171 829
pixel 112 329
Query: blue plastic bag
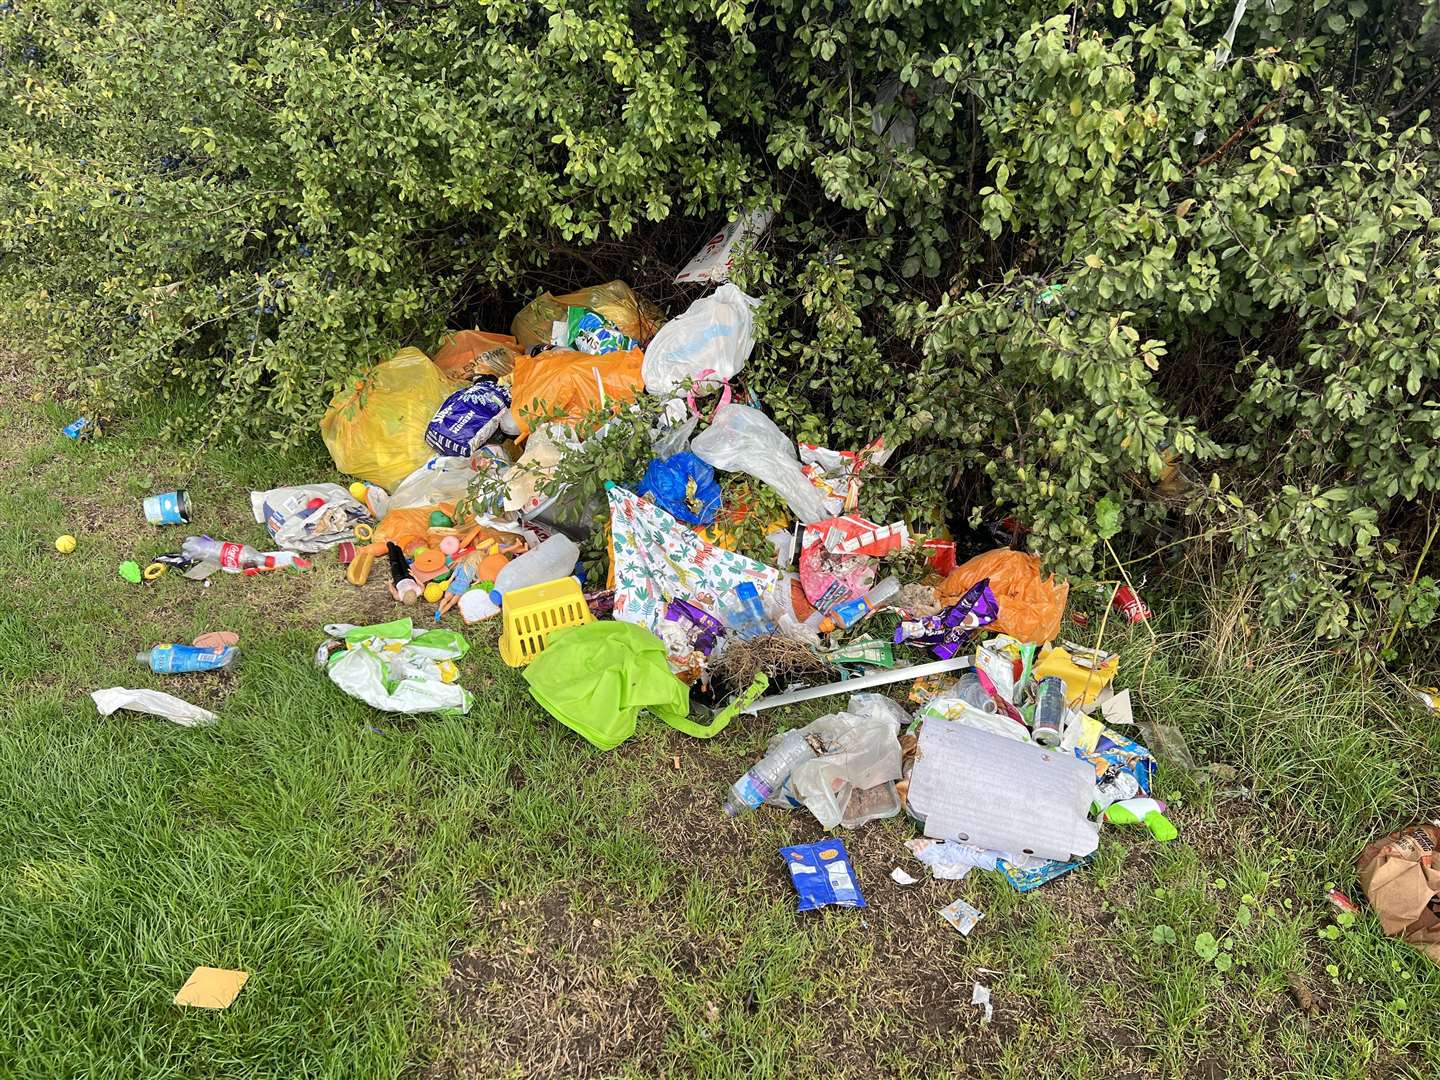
pixel 683 485
pixel 468 419
pixel 822 875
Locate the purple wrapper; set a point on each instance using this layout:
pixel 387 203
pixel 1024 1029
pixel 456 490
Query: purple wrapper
pixel 949 631
pixel 707 627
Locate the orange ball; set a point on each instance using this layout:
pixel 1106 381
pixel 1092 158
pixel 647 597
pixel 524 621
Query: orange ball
pixel 489 567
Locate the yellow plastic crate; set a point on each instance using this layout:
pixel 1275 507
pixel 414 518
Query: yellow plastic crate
pixel 532 614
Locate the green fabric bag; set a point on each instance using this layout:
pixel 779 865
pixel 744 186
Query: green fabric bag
pixel 596 678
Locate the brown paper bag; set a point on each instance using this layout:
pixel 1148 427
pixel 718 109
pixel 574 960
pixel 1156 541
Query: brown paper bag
pixel 1400 874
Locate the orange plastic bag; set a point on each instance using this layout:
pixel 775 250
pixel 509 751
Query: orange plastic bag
pixel 1031 607
pixel 636 318
pixel 564 384
pixel 468 354
pixel 376 429
pixel 410 523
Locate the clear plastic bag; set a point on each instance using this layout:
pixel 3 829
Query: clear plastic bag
pixel 862 752
pixel 710 342
pixel 439 480
pixel 742 439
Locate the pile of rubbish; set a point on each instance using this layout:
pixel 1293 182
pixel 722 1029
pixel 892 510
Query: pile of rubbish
pixel 999 740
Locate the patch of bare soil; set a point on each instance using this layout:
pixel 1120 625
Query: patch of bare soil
pixel 551 1009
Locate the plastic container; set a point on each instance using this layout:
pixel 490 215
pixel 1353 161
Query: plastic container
pixel 852 611
pixel 1047 727
pixel 532 614
pixel 232 558
pixel 768 774
pixel 167 508
pixel 554 559
pixel 746 617
pixel 170 659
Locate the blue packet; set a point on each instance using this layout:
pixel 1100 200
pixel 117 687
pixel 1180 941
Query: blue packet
pixel 1024 879
pixel 1123 768
pixel 822 875
pixel 468 419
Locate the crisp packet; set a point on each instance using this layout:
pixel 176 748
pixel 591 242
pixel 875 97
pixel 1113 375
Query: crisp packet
pixel 587 331
pixel 947 633
pixel 1123 768
pixel 1025 878
pixel 702 627
pixel 822 875
pixel 961 916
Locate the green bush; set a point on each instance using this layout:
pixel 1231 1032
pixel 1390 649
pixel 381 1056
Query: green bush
pixel 1049 249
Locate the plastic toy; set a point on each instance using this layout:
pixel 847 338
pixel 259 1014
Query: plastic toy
pixel 1147 812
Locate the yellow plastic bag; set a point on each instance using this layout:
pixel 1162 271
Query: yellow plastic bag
pixel 636 318
pixel 376 429
pixel 1031 606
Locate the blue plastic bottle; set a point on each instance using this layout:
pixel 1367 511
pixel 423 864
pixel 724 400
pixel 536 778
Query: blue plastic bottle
pixel 170 659
pixel 747 618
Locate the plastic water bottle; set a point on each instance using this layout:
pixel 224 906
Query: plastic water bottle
pixel 746 617
pixel 769 773
pixel 232 558
pixel 969 690
pixel 169 659
pixel 852 611
pixel 552 560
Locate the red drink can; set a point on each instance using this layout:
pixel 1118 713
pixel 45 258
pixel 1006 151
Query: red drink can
pixel 1129 602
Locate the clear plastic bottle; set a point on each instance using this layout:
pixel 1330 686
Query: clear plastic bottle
pixel 746 617
pixel 768 774
pixel 552 560
pixel 232 558
pixel 169 659
pixel 852 611
pixel 969 690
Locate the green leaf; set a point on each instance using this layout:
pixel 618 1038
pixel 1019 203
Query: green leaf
pixel 1163 935
pixel 1206 947
pixel 1107 517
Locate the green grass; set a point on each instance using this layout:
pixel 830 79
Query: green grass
pixel 488 896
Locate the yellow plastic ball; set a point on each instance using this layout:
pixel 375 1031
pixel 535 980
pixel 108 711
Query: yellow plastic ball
pixel 357 490
pixel 65 544
pixel 434 591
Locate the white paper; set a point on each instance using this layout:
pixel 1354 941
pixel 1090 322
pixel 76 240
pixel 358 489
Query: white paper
pixel 1117 711
pixel 153 703
pixel 980 995
pixel 900 877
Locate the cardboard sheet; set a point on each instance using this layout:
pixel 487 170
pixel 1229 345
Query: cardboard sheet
pixel 1002 795
pixel 211 988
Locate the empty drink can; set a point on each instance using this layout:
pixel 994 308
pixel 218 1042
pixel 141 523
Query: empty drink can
pixel 1047 727
pixel 168 508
